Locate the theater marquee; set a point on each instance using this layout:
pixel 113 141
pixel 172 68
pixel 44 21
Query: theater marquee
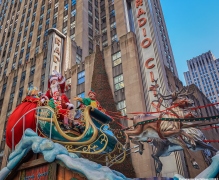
pixel 145 47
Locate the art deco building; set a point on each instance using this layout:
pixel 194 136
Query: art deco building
pixel 38 36
pixel 204 73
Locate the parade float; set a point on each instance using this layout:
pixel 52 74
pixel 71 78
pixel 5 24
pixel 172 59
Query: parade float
pixel 49 118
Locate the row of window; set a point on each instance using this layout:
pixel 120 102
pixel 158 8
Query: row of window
pixel 39 28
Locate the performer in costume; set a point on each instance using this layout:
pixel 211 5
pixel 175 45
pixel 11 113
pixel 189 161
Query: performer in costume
pixel 30 102
pixel 91 100
pixel 56 88
pixel 62 112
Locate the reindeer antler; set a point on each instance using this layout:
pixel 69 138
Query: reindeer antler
pixel 186 93
pixel 165 97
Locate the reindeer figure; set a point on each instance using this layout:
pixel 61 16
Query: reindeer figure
pixel 170 131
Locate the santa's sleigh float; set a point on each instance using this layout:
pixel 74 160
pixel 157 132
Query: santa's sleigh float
pixel 96 138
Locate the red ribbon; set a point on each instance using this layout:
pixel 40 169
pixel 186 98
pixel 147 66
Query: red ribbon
pixel 214 141
pixel 175 105
pixel 213 127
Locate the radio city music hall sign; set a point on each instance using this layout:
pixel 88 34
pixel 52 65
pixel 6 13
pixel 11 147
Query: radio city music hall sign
pixel 145 43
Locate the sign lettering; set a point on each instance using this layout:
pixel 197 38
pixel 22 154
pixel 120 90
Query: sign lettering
pixel 145 43
pixel 56 54
pixel 139 3
pixel 140 12
pixel 144 32
pixel 152 76
pixel 142 22
pixel 147 63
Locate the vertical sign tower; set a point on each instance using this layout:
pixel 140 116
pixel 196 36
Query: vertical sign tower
pixel 55 54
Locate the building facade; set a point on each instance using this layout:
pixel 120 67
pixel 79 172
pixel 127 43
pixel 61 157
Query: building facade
pixel 204 73
pixel 135 46
pixel 200 100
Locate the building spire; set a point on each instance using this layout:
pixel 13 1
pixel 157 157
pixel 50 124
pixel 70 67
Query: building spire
pixel 100 85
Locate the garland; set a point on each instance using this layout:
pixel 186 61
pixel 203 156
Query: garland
pixel 178 120
pixel 51 103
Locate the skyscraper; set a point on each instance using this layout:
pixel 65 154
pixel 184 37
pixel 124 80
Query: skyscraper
pixel 204 73
pixel 39 35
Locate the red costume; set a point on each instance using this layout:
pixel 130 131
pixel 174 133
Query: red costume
pixel 56 85
pixel 27 104
pixel 60 102
pixel 60 87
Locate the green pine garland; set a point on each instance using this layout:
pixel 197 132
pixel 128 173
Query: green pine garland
pixel 52 103
pixel 179 120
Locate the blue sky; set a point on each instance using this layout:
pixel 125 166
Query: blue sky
pixel 193 28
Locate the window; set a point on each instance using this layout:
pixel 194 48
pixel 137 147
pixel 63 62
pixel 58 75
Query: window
pixel 43 78
pixel 5 71
pixel 38 38
pixel 4 88
pixel 65 30
pixel 20 61
pixel 104 31
pixel 44 63
pixel 118 82
pixel 66 7
pixel 24 38
pixel 48 11
pixel 11 97
pixel 20 92
pixel 113 25
pixel 117 58
pixel 47 21
pixel 112 13
pixel 103 20
pixel 26 28
pixel 45 44
pixel 81 77
pixel 115 38
pixel 35 5
pixel 73 2
pixel 73 12
pixel 32 70
pixel 72 37
pixel 29 44
pixel 55 15
pixel 78 58
pixel 73 25
pixel 40 27
pixel 42 9
pixel 30 84
pixel 65 18
pixel 22 50
pixel 14 81
pixel 121 106
pixel 23 75
pixel 37 50
pixel 57 5
pixel 34 14
pixel 81 95
pixel 27 56
pixel 105 44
